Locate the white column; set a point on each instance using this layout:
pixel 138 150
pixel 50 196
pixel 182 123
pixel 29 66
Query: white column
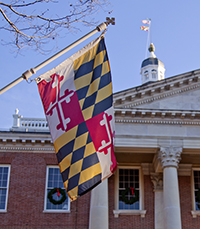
pixel 170 157
pixel 157 180
pixel 99 207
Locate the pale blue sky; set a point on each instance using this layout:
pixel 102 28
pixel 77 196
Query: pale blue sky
pixel 175 34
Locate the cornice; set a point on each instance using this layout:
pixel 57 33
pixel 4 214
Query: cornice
pixel 158 122
pixel 27 149
pixel 159 116
pixel 156 91
pixel 25 138
pixel 26 142
pixel 33 140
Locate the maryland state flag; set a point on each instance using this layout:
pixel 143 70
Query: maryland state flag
pixel 77 100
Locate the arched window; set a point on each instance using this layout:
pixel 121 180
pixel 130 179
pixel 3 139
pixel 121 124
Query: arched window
pixel 153 73
pixel 146 75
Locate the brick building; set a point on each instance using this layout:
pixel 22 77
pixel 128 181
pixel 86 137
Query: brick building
pixel 157 146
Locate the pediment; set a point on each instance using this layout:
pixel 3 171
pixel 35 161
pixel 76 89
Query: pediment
pixel 175 100
pixel 180 92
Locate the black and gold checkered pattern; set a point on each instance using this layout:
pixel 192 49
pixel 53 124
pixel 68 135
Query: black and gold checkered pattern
pixel 78 161
pixel 93 81
pixel 76 154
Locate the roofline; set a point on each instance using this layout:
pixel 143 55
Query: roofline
pixel 166 80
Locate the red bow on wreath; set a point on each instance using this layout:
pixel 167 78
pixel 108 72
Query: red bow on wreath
pixel 130 200
pixel 132 190
pixel 58 193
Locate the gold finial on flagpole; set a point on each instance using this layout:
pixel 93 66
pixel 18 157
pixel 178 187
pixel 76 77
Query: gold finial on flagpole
pixel 110 21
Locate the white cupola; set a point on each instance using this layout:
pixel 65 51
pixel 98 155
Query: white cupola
pixel 152 68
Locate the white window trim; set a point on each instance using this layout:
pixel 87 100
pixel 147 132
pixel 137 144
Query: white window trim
pixel 7 189
pixel 146 75
pixel 118 211
pixel 194 212
pixel 153 73
pixel 45 196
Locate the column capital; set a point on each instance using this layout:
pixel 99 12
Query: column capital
pixel 170 156
pixel 157 180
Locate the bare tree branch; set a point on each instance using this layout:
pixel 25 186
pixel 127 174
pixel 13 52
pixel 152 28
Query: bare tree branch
pixel 30 29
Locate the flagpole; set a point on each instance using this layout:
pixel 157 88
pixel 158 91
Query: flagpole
pixel 29 73
pixel 148 37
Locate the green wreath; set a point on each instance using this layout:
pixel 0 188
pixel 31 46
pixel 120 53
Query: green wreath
pixel 132 200
pixel 53 191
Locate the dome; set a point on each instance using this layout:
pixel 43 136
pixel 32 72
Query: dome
pixel 152 61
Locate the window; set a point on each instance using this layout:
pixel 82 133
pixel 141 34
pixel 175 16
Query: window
pixel 197 190
pixel 146 75
pixel 129 189
pixel 4 183
pixel 129 194
pixel 153 72
pixel 54 180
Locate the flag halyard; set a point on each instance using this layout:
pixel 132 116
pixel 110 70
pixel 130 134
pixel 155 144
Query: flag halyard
pixel 77 99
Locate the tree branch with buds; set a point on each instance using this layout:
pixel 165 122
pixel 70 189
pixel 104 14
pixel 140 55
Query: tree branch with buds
pixel 32 24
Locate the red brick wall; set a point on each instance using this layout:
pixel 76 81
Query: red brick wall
pixel 26 196
pixel 26 199
pixel 188 222
pixel 133 221
pixel 27 190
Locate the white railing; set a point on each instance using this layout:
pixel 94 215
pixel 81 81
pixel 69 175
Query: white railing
pixel 28 124
pixel 34 123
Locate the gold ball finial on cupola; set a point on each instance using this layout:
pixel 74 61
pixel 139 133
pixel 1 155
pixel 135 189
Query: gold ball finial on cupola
pixel 151 48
